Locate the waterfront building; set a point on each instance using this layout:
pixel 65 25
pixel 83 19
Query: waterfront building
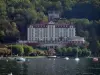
pixel 53 33
pixel 50 32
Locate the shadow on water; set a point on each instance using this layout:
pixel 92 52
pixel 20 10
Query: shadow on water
pixel 13 67
pixel 51 66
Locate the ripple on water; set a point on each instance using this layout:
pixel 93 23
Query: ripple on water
pixel 55 66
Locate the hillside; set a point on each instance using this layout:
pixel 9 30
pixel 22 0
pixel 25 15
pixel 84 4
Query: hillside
pixel 16 15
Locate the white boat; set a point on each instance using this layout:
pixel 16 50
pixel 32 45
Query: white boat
pixel 95 59
pixel 10 74
pixel 66 58
pixel 77 59
pixel 20 59
pixel 52 56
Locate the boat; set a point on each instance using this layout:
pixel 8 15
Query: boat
pixel 51 56
pixel 77 59
pixel 66 58
pixel 20 59
pixel 10 74
pixel 95 59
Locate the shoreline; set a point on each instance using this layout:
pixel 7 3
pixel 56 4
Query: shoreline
pixel 34 56
pixel 43 57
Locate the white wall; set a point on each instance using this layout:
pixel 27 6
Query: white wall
pixel 51 32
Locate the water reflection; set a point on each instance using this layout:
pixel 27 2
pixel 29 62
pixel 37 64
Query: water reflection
pixel 56 67
pixel 7 67
pixel 94 67
pixel 51 66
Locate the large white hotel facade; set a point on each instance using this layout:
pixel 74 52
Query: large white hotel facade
pixel 50 32
pixel 53 34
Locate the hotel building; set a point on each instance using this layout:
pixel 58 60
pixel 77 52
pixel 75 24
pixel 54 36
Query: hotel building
pixel 52 34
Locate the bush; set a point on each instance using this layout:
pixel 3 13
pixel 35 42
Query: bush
pixel 17 49
pixel 75 51
pixel 27 50
pixel 4 51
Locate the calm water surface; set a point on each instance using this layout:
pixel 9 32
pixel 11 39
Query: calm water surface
pixel 47 66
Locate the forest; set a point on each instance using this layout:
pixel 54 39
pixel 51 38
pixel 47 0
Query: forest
pixel 17 15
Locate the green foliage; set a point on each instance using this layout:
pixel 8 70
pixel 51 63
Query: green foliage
pixel 59 51
pixel 98 47
pixel 17 49
pixel 4 51
pixel 2 33
pixel 98 44
pixel 96 3
pixel 27 50
pixel 17 15
pixel 73 51
pixel 40 53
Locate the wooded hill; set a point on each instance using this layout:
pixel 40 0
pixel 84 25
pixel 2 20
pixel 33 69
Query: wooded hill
pixel 16 15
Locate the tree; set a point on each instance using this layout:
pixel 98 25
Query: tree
pixel 27 50
pixel 69 51
pixel 59 51
pixel 4 51
pixel 96 3
pixel 85 52
pixel 2 34
pixel 98 47
pixel 3 12
pixel 17 49
pixel 74 51
pixel 33 15
pixel 64 51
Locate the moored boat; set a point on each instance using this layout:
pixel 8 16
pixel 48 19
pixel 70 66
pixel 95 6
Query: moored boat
pixel 51 56
pixel 95 59
pixel 20 59
pixel 10 74
pixel 66 58
pixel 77 59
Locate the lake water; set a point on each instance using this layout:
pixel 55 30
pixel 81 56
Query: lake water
pixel 51 66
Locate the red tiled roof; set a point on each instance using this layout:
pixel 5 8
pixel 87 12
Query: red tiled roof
pixel 44 25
